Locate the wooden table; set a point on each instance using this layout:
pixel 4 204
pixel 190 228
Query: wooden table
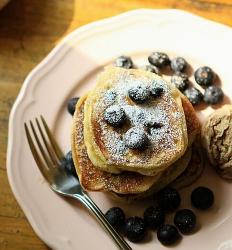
pixel 29 29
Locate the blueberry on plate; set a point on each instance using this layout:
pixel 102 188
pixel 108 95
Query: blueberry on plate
pixel 72 105
pixel 180 80
pixel 213 95
pixel 116 217
pixel 159 59
pixel 168 234
pixel 204 76
pixel 194 95
pixel 114 115
pixel 135 229
pixel 136 138
pixel 202 198
pixel 185 220
pixel 139 94
pixel 124 62
pixel 168 199
pixel 151 68
pixel 154 217
pixel 178 64
pixel 68 164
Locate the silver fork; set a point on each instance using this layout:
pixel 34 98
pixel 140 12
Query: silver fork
pixel 48 157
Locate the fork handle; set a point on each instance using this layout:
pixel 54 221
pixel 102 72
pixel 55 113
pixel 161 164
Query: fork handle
pixel 87 201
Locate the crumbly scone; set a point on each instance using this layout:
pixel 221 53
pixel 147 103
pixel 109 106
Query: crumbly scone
pixel 217 140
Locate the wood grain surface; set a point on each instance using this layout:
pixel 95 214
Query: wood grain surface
pixel 29 29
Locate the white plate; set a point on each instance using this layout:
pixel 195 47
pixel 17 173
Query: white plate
pixel 69 70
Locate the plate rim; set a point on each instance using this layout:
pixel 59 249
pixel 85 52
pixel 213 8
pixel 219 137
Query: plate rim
pixel 43 67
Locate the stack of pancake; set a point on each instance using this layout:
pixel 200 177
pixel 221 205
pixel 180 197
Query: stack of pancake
pixel 130 143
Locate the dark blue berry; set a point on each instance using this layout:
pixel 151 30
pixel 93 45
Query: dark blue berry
pixel 135 229
pixel 194 95
pixel 180 80
pixel 151 68
pixel 156 90
pixel 115 115
pixel 202 198
pixel 139 94
pixel 204 76
pixel 167 234
pixel 68 164
pixel 116 217
pixel 213 95
pixel 72 105
pixel 136 138
pixel 178 64
pixel 185 220
pixel 159 59
pixel 168 199
pixel 123 62
pixel 154 217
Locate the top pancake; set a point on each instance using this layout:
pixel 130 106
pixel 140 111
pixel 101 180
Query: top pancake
pixel 105 144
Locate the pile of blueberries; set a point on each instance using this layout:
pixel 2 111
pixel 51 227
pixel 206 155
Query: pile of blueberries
pixel 165 201
pixel 204 76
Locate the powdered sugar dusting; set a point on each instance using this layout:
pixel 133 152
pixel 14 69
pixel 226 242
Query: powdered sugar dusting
pixel 151 112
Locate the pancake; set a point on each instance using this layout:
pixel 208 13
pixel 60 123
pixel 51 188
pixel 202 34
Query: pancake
pixel 106 145
pixel 93 179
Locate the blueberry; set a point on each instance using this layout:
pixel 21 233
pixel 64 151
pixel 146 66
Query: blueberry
pixel 136 138
pixel 156 91
pixel 123 62
pixel 68 164
pixel 72 105
pixel 180 80
pixel 151 68
pixel 213 95
pixel 168 199
pixel 135 229
pixel 139 94
pixel 116 217
pixel 194 95
pixel 185 220
pixel 167 234
pixel 178 64
pixel 204 76
pixel 154 217
pixel 115 115
pixel 202 198
pixel 159 59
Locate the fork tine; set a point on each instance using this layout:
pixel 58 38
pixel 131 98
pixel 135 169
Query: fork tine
pixel 49 163
pixel 53 142
pixel 35 154
pixel 53 158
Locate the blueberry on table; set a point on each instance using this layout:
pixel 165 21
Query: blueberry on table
pixel 159 59
pixel 168 199
pixel 136 138
pixel 204 76
pixel 116 217
pixel 124 62
pixel 202 198
pixel 168 234
pixel 139 94
pixel 135 229
pixel 72 105
pixel 213 95
pixel 151 68
pixel 194 95
pixel 185 220
pixel 115 115
pixel 178 64
pixel 180 80
pixel 154 217
pixel 68 164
